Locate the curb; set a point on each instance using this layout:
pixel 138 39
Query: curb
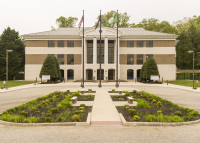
pixel 87 123
pixel 155 123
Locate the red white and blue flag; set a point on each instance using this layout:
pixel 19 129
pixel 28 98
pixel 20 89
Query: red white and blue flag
pixel 79 25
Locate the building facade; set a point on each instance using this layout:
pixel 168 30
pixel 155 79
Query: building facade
pixel 135 46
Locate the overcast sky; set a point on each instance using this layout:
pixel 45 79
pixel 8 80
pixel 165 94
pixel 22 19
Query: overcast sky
pixel 31 16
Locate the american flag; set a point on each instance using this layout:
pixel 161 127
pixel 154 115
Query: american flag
pixel 79 25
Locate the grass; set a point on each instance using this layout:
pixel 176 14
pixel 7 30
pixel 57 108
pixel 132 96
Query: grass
pixel 13 83
pixel 188 83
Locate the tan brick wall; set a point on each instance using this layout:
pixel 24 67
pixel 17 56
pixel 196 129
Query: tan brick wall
pixel 77 43
pixel 123 59
pixel 36 43
pixel 164 43
pixel 35 58
pixel 77 59
pixel 123 43
pixel 165 58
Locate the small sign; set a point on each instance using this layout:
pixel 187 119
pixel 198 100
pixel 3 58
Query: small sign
pixel 154 77
pixel 46 77
pixel 4 82
pixel 94 74
pixel 197 81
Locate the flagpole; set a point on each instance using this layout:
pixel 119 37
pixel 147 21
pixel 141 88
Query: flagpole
pixel 100 51
pixel 117 85
pixel 83 49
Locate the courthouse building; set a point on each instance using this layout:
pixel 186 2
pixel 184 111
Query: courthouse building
pixel 135 45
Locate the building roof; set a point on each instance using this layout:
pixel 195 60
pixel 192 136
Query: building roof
pixel 76 32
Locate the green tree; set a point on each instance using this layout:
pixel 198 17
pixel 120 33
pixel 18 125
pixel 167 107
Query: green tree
pixel 57 67
pixel 152 69
pixel 49 68
pixel 123 19
pixel 10 40
pixel 66 22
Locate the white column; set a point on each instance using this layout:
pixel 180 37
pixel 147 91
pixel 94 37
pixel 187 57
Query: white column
pixel 106 51
pixel 135 74
pixel 94 50
pixel 84 59
pixel 116 60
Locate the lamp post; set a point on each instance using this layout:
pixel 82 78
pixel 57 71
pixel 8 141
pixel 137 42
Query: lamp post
pixel 146 68
pixel 7 68
pixel 193 66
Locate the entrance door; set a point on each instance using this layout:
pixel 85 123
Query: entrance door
pixel 89 74
pixel 111 74
pixel 98 74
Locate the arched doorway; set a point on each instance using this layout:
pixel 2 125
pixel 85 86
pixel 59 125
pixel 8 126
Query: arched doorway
pixel 98 74
pixel 89 74
pixel 111 74
pixel 138 74
pixel 130 74
pixel 62 73
pixel 70 74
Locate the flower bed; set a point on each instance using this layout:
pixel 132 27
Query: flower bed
pixel 151 108
pixel 85 97
pixel 119 98
pixel 55 107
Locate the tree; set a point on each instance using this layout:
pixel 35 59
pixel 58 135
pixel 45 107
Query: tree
pixel 49 68
pixel 66 22
pixel 152 69
pixel 123 19
pixel 10 40
pixel 57 67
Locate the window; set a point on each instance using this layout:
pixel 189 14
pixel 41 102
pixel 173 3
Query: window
pixel 130 59
pixel 149 43
pixel 60 43
pixel 148 56
pixel 70 74
pixel 130 74
pixel 130 43
pixel 140 43
pixel 61 59
pixel 70 43
pixel 70 59
pixel 51 43
pixel 110 51
pixel 51 54
pixel 90 51
pixel 98 51
pixel 139 59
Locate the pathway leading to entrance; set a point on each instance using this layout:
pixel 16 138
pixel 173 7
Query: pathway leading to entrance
pixel 104 112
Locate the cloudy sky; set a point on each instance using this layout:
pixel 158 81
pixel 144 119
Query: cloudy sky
pixel 31 16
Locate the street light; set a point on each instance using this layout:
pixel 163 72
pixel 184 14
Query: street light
pixel 7 68
pixel 146 69
pixel 193 66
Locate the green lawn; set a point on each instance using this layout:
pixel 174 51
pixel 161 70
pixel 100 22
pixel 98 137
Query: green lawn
pixel 188 83
pixel 12 83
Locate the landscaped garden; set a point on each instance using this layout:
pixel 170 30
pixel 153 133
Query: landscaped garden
pixel 151 108
pixel 13 83
pixel 55 107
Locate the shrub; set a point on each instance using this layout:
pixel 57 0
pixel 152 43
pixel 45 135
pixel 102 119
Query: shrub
pixel 132 111
pixel 47 101
pixel 90 90
pixel 31 120
pixel 48 114
pixel 60 119
pixel 10 110
pixel 150 99
pixel 23 113
pixel 159 112
pixel 150 118
pixel 126 106
pixel 85 99
pixel 118 96
pixel 75 118
pixel 141 104
pixel 81 108
pixel 77 112
pixel 121 99
pixel 33 109
pixel 54 110
pixel 179 113
pixel 149 107
pixel 48 119
pixel 50 100
pixel 145 96
pixel 77 93
pixel 154 101
pixel 113 90
pixel 66 102
pixel 59 106
pixel 127 93
pixel 186 118
pixel 134 91
pixel 136 117
pixel 43 103
pixel 39 106
pixel 68 91
pixel 82 105
pixel 54 97
pixel 159 103
pixel 194 113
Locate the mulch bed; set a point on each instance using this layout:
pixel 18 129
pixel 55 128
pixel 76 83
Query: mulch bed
pixel 166 109
pixel 85 98
pixel 113 92
pixel 116 98
pixel 42 112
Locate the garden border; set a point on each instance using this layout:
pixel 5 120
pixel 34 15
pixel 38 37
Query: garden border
pixel 124 123
pixel 87 123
